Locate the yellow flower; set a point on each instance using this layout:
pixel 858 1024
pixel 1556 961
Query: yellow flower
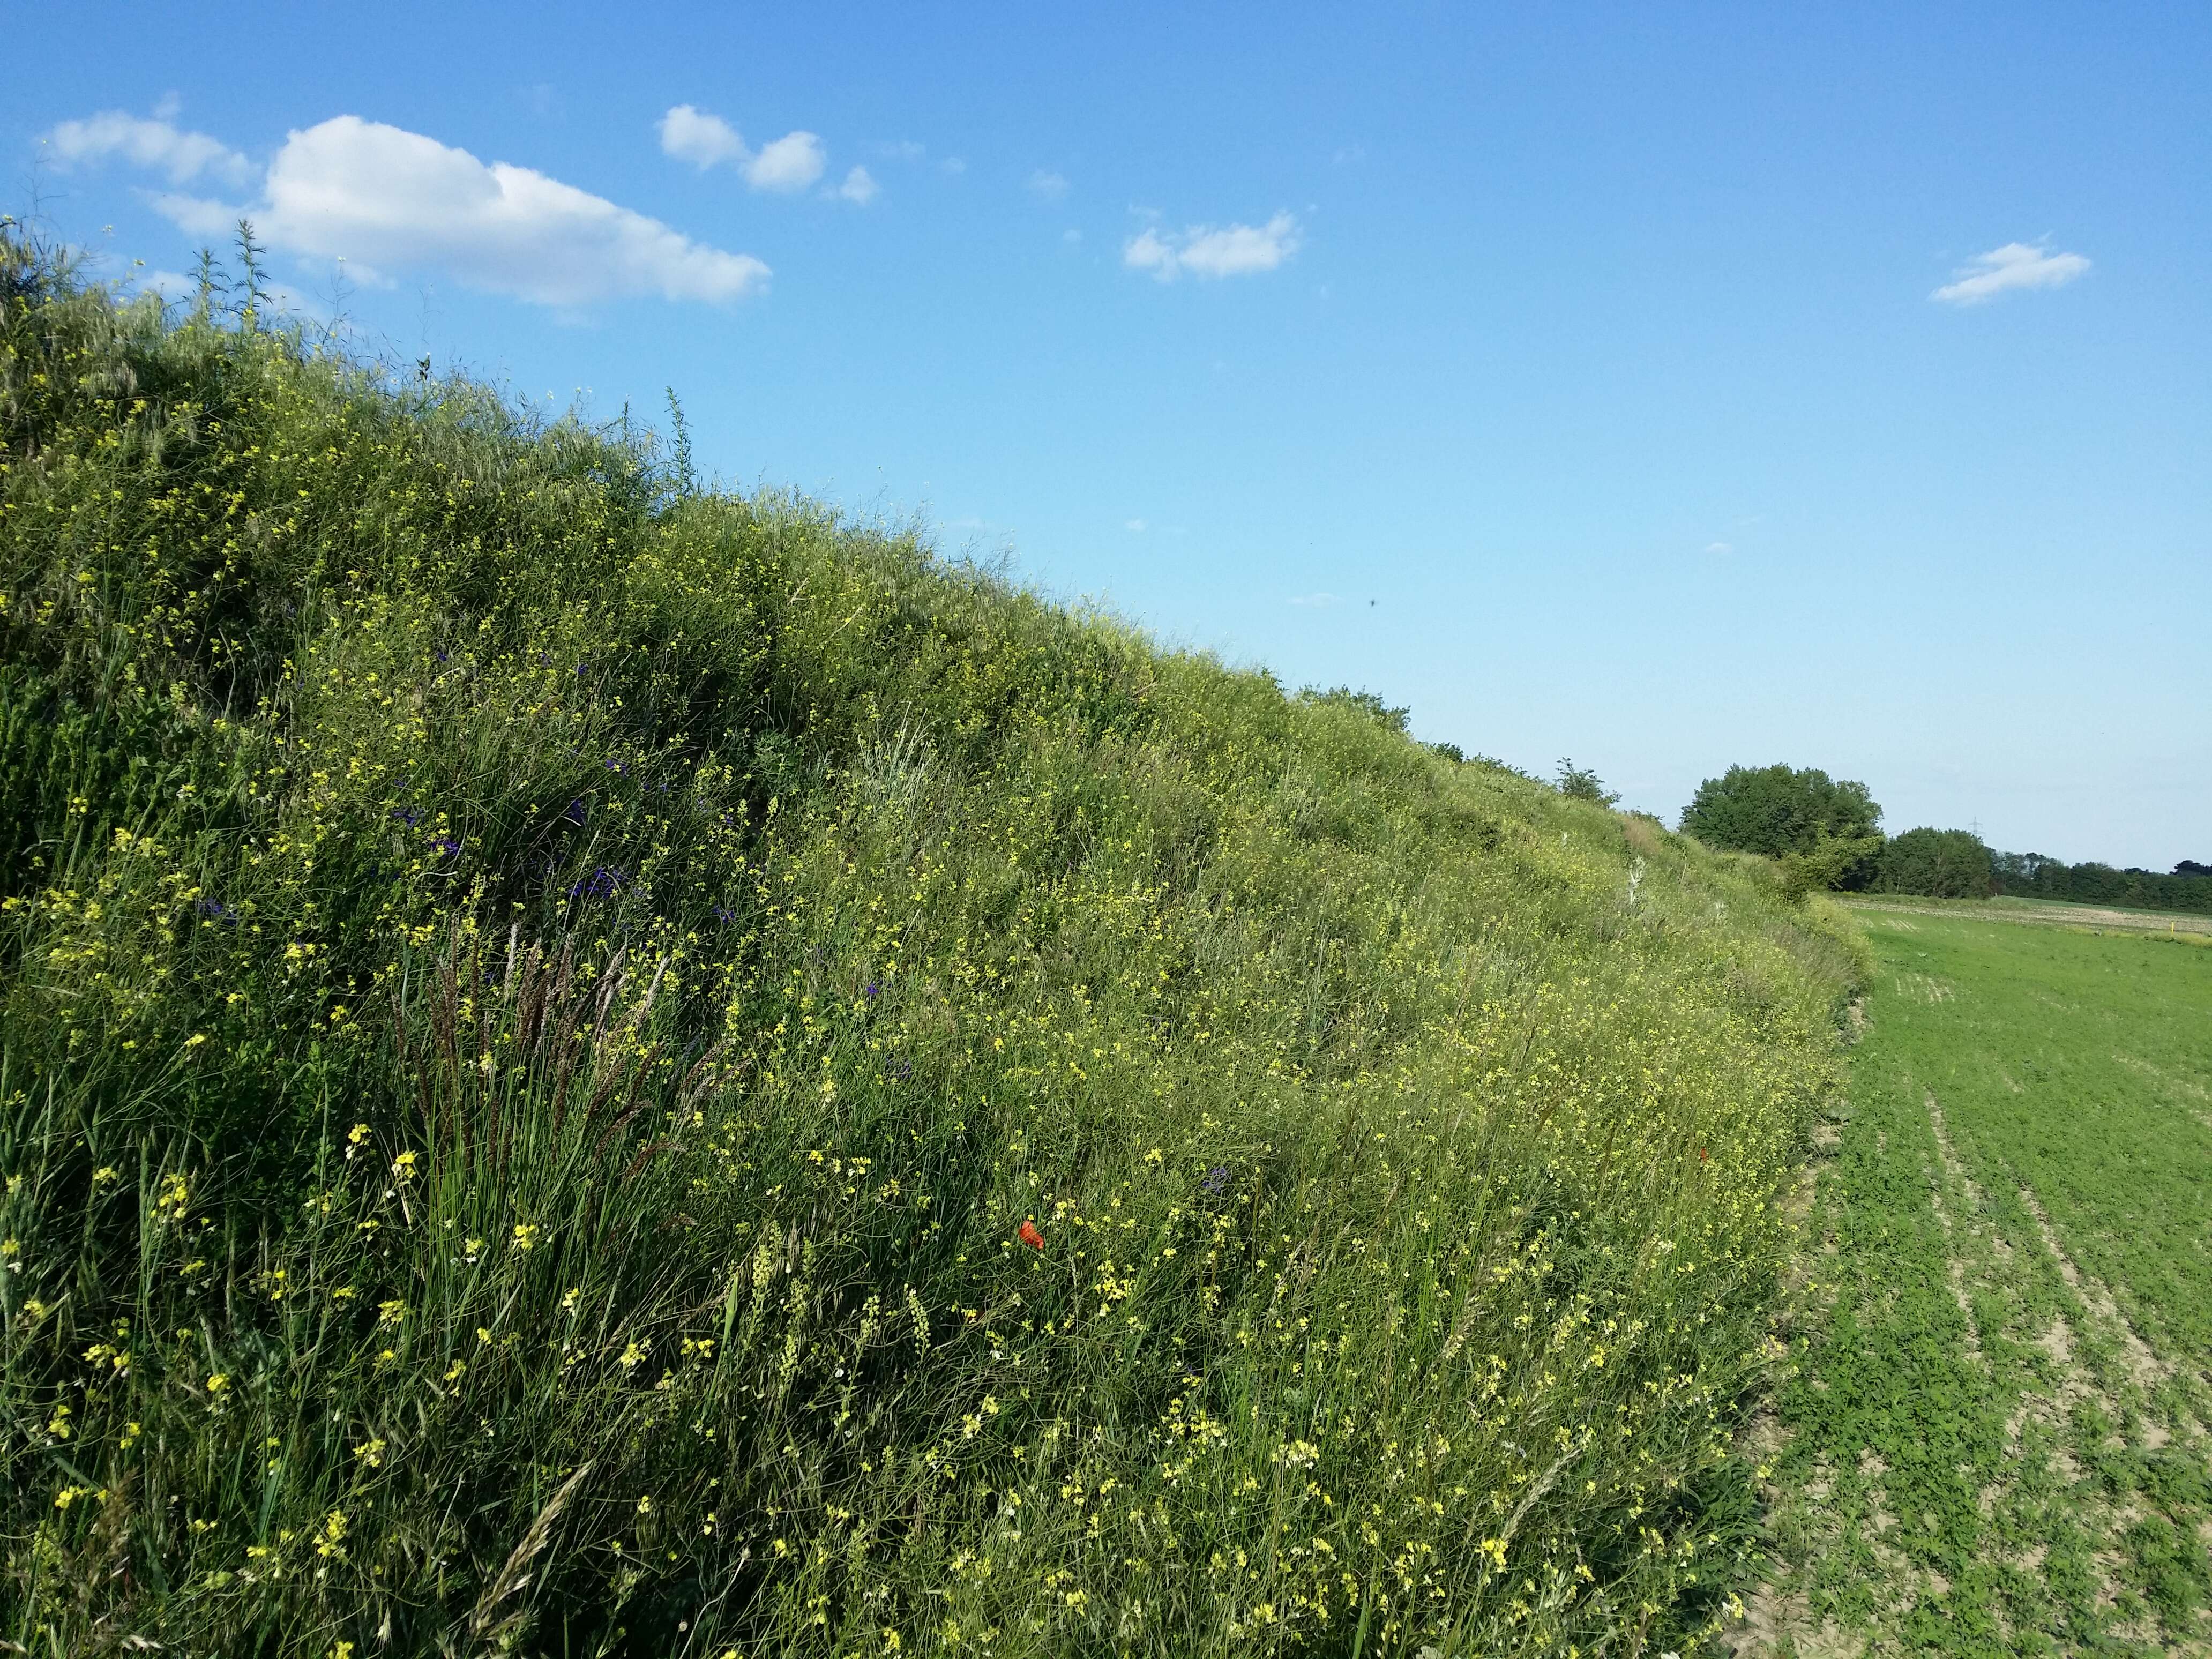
pixel 525 1235
pixel 403 1167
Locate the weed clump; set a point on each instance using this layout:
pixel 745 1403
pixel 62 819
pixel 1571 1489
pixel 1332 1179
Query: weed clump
pixel 586 1066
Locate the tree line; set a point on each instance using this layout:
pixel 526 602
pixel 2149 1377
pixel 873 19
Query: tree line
pixel 1827 834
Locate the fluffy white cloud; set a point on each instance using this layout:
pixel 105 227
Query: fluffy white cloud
pixel 1136 526
pixel 787 164
pixel 1208 251
pixel 1048 186
pixel 382 198
pixel 692 135
pixel 2014 265
pixel 859 187
pixel 158 143
pixel 791 162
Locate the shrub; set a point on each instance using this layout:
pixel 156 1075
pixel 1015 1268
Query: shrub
pixel 1580 783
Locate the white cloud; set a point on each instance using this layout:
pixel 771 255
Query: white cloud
pixel 171 285
pixel 1719 547
pixel 158 143
pixel 953 165
pixel 859 187
pixel 907 150
pixel 1070 236
pixel 1209 251
pixel 383 198
pixel 2014 265
pixel 787 164
pixel 1048 186
pixel 692 135
pixel 1136 526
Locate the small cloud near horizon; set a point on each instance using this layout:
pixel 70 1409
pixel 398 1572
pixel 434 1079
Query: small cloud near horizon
pixel 1209 251
pixel 859 187
pixel 2014 265
pixel 1048 186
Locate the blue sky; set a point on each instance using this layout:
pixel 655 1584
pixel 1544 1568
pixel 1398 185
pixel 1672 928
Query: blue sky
pixel 1664 387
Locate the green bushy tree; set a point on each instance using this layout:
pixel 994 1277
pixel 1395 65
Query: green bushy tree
pixel 1828 830
pixel 1934 864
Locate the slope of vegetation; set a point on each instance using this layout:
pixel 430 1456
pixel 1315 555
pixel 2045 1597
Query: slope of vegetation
pixel 588 1068
pixel 1998 1415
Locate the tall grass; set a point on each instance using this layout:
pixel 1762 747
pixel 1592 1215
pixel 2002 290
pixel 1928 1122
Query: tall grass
pixel 586 1068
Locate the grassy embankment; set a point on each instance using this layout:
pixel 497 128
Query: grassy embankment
pixel 1996 1426
pixel 535 1007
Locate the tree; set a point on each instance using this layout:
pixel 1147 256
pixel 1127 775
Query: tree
pixel 2191 867
pixel 1934 864
pixel 1580 783
pixel 1833 827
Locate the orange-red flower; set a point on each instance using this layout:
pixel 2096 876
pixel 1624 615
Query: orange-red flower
pixel 1030 1237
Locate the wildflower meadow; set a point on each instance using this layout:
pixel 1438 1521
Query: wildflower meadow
pixel 589 1066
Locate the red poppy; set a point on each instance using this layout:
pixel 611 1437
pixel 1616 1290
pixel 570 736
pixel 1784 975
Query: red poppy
pixel 1030 1237
pixel 1701 1156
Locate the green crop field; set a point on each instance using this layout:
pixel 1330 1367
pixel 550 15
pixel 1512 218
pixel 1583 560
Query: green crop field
pixel 1991 1432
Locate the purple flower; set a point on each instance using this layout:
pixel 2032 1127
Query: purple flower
pixel 407 815
pixel 216 910
pixel 575 812
pixel 1217 1181
pixel 723 912
pixel 605 878
pixel 872 990
pixel 446 846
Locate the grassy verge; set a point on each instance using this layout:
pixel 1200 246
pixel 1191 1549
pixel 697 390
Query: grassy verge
pixel 1996 1437
pixel 589 1069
